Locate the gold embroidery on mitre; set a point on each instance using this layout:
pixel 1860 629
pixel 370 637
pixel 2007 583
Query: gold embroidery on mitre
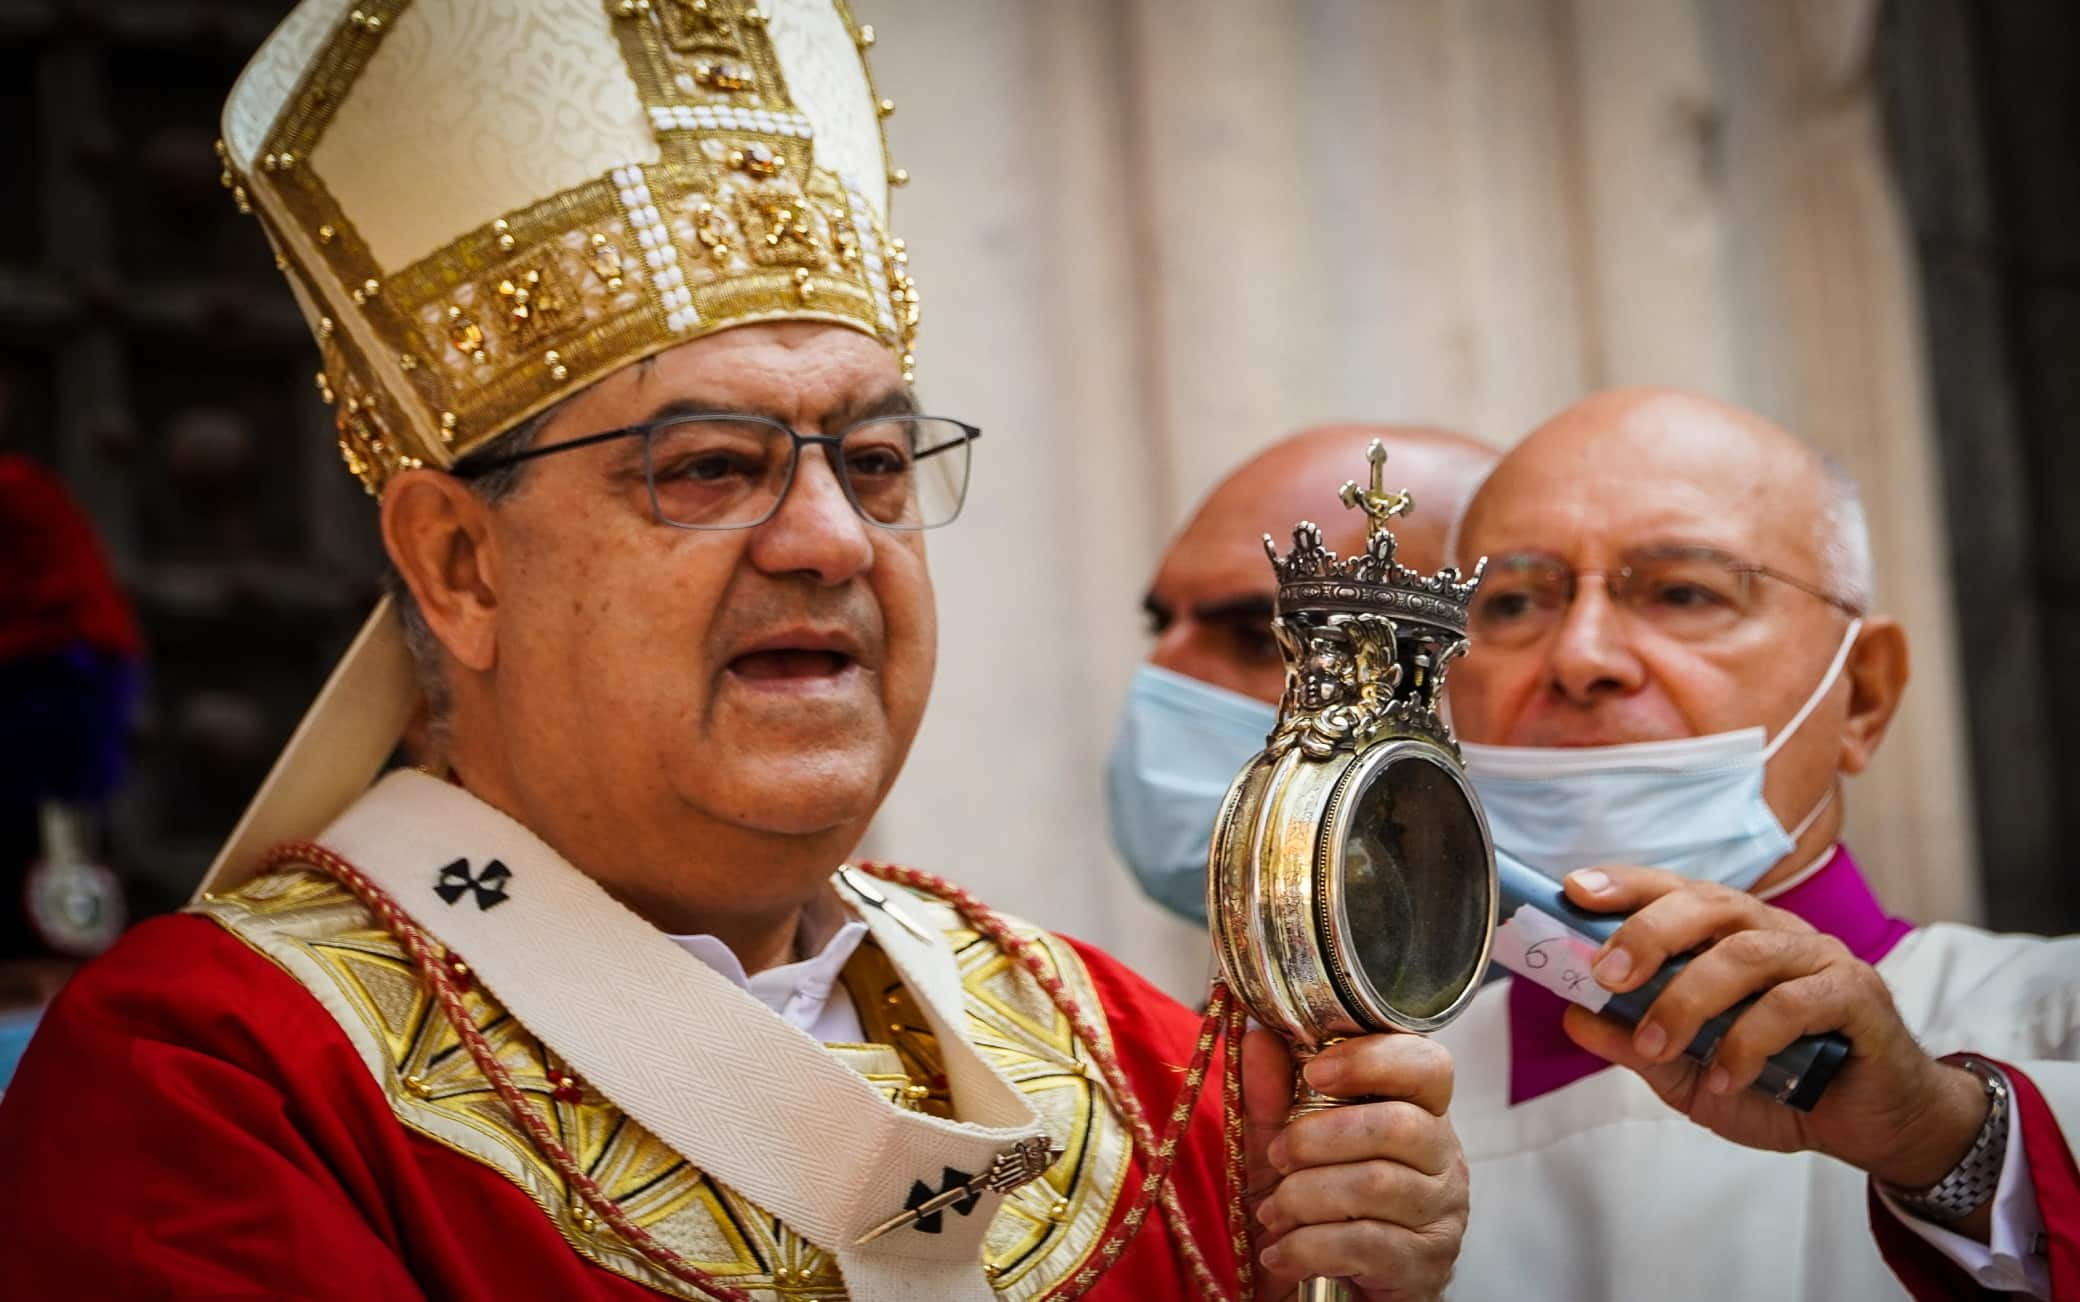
pixel 1042 1234
pixel 733 221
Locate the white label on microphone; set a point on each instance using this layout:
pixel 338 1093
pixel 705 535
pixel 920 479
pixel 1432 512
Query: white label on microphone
pixel 1546 951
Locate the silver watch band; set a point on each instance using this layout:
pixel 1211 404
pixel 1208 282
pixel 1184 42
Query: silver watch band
pixel 1977 1175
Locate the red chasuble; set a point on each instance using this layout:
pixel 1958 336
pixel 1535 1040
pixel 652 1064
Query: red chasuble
pixel 193 1120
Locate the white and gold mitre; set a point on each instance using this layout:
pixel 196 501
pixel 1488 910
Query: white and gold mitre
pixel 484 206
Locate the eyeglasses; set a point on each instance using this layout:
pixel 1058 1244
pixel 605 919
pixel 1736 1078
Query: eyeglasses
pixel 732 471
pixel 1691 593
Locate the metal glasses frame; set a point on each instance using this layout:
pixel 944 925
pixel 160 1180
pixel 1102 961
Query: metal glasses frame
pixel 831 443
pixel 1623 573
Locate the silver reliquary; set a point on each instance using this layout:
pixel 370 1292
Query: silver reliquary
pixel 1351 877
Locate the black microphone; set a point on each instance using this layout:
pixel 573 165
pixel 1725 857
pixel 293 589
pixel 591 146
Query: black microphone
pixel 1796 1075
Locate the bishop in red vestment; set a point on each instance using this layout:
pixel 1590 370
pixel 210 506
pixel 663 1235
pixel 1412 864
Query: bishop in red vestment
pixel 589 1001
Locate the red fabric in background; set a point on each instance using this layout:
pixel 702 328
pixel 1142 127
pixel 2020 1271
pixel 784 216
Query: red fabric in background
pixel 56 590
pixel 189 1122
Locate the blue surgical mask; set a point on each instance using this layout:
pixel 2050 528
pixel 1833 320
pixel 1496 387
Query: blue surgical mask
pixel 1180 744
pixel 1693 806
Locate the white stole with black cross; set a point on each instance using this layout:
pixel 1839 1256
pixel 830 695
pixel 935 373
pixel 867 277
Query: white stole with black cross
pixel 720 1078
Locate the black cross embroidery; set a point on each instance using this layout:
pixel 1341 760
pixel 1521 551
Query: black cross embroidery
pixel 921 1193
pixel 489 885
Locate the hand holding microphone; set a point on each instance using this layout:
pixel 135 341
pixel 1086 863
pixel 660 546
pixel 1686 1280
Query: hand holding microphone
pixel 1794 1075
pixel 1782 993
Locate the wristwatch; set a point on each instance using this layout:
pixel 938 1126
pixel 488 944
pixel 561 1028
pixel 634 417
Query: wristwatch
pixel 1978 1173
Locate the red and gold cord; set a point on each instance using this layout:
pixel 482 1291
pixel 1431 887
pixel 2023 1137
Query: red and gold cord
pixel 1224 1024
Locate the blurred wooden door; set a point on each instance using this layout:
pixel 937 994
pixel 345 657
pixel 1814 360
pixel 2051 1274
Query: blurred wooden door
pixel 151 354
pixel 1985 126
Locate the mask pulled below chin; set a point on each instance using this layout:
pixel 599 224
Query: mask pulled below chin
pixel 1692 806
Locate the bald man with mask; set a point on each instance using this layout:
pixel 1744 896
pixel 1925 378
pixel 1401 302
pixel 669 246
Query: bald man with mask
pixel 1675 663
pixel 1205 700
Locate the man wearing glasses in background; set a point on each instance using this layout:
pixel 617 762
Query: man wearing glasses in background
pixel 592 1005
pixel 1674 665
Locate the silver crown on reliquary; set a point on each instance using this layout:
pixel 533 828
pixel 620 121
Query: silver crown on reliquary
pixel 1366 639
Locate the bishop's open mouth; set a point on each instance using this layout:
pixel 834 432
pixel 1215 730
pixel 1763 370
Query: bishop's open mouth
pixel 790 663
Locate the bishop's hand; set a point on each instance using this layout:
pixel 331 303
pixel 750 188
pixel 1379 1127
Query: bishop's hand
pixel 1375 1191
pixel 1891 1110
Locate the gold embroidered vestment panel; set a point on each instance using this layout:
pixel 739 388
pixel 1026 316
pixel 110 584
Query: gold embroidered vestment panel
pixel 324 938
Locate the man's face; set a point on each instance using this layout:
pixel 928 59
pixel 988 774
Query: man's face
pixel 1210 604
pixel 769 678
pixel 1620 477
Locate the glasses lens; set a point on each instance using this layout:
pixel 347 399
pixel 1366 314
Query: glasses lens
pixel 908 472
pixel 1520 597
pixel 1688 594
pixel 716 472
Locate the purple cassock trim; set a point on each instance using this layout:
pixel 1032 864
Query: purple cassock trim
pixel 1836 899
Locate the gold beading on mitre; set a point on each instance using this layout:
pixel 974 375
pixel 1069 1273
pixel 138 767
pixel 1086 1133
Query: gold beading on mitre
pixel 483 206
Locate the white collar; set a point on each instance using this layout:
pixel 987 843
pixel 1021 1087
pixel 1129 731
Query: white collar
pixel 1799 878
pixel 805 992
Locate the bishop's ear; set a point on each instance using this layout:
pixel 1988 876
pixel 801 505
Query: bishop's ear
pixel 1877 676
pixel 438 534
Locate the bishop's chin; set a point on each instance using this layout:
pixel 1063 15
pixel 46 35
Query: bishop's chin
pixel 793 787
